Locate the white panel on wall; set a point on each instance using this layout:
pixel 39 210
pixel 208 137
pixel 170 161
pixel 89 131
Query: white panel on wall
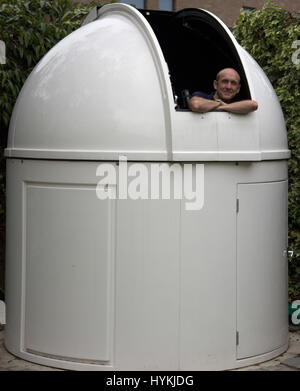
pixel 69 264
pixel 262 300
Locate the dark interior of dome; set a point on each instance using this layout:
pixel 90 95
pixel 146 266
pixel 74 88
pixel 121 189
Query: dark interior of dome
pixel 196 47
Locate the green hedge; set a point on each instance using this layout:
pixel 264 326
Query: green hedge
pixel 269 35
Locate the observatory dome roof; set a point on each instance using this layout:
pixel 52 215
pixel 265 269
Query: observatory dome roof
pixel 108 89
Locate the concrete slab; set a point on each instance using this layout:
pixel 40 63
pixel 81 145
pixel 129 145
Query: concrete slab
pixel 293 362
pixel 8 362
pixel 274 368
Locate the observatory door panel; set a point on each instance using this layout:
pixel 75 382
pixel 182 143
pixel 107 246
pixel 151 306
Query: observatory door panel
pixel 68 264
pixel 261 268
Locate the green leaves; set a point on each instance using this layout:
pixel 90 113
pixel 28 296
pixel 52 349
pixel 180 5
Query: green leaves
pixel 269 35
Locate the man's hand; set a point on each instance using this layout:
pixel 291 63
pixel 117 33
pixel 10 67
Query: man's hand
pixel 241 107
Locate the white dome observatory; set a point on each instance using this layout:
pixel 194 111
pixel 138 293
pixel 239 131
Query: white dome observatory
pixel 96 281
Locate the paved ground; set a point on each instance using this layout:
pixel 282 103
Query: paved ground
pixel 289 361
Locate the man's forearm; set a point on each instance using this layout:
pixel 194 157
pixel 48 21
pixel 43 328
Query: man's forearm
pixel 202 105
pixel 242 107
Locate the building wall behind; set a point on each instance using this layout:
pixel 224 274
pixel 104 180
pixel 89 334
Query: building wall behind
pixel 227 10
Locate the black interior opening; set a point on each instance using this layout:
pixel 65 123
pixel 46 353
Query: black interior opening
pixel 196 47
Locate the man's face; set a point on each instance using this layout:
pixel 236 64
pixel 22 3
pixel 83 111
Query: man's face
pixel 227 85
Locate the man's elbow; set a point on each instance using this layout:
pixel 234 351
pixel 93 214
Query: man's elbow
pixel 254 105
pixel 193 105
pixel 197 106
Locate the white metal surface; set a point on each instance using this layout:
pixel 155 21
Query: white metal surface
pixel 140 284
pixel 261 242
pixel 102 90
pixel 70 270
pixel 105 90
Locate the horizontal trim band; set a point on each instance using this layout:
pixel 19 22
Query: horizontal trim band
pixel 147 155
